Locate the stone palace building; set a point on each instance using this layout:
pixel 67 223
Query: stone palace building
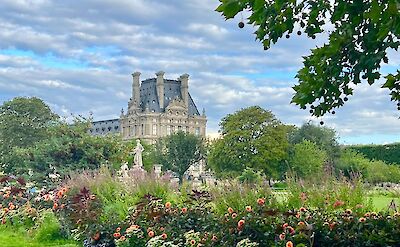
pixel 158 107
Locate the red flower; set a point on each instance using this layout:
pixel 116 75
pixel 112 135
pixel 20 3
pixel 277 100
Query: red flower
pixel 164 236
pixel 214 238
pixel 338 203
pixel 248 208
pixel 151 234
pixel 230 210
pixel 285 225
pixel 192 242
pixel 241 223
pixel 260 201
pixel 184 210
pixel 303 209
pixel 282 236
pixel 122 238
pixel 362 219
pixel 118 229
pixel 117 234
pixel 234 215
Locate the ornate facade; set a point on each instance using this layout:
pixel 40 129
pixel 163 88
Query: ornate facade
pixel 158 107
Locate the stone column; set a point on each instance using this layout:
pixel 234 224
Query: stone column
pixel 185 89
pixel 136 88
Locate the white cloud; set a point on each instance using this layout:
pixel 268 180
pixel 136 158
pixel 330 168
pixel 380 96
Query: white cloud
pixel 228 69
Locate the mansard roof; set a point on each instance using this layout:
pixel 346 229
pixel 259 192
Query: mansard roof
pixel 172 90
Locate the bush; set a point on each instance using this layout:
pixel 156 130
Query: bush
pixel 307 159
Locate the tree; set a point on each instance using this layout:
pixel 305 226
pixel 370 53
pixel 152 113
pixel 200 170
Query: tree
pixel 360 34
pixel 251 137
pixel 324 137
pixel 68 147
pixel 24 122
pixel 307 159
pixel 178 151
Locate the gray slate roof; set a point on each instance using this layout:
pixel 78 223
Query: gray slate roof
pixel 172 89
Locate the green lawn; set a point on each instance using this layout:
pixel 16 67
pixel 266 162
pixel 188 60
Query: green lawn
pixel 382 202
pixel 17 238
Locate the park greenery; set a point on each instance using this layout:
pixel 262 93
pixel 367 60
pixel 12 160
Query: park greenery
pixel 278 185
pixel 361 34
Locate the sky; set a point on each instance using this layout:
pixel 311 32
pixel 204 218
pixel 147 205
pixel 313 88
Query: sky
pixel 78 56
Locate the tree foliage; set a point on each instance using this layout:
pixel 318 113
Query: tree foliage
pixel 178 151
pixel 373 171
pixel 68 147
pixel 24 122
pixel 361 32
pixel 389 153
pixel 251 137
pixel 325 138
pixel 307 159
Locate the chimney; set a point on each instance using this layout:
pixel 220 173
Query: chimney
pixel 160 88
pixel 185 88
pixel 136 88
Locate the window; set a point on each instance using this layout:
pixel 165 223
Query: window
pixel 168 129
pixel 154 129
pixel 187 129
pixel 197 132
pixel 179 128
pixel 142 129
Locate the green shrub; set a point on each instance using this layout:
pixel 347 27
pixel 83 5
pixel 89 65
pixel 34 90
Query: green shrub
pixel 307 159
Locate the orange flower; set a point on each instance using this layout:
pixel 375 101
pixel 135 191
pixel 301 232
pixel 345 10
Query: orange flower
pixel 192 242
pixel 260 201
pixel 234 215
pixel 282 236
pixel 241 223
pixel 367 215
pixel 348 211
pixel 117 234
pixel 151 234
pixel 46 197
pixel 248 208
pixel 289 244
pixel 184 210
pixel 12 207
pixel 230 210
pixel 362 219
pixel 164 236
pixel 338 203
pixel 135 227
pixel 60 193
pixel 291 230
pixel 301 224
pixel 55 206
pixel 214 238
pixel 167 204
pixel 122 238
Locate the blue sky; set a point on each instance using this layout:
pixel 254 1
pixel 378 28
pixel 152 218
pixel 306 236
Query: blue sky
pixel 79 55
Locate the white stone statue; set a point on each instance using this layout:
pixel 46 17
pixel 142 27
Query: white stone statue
pixel 124 170
pixel 137 160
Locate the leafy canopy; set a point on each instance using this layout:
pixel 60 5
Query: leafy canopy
pixel 251 137
pixel 361 32
pixel 178 151
pixel 24 122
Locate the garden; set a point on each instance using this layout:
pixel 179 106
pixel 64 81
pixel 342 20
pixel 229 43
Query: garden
pixel 62 186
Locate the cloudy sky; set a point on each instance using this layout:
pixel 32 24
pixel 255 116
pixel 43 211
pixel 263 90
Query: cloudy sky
pixel 79 55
